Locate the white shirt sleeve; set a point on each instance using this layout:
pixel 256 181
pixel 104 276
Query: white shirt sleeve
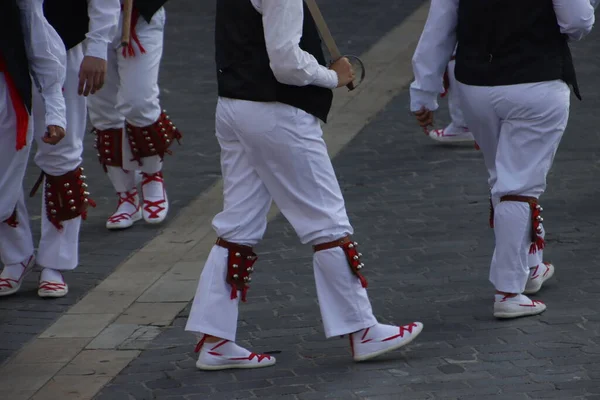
pixel 282 22
pixel 47 59
pixel 435 48
pixel 575 17
pixel 104 19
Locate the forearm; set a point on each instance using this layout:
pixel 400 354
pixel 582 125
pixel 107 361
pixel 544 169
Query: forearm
pixel 283 26
pixel 47 60
pixel 104 20
pixel 434 50
pixel 575 17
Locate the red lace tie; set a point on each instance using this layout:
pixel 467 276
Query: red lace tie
pixel 153 207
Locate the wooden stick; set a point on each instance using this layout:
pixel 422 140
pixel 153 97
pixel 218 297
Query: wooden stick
pixel 126 31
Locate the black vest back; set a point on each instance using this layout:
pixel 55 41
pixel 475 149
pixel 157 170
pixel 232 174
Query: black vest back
pixel 12 49
pixel 69 18
pixel 507 42
pixel 243 70
pixel 148 8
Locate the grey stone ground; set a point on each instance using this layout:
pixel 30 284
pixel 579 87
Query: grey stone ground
pixel 189 94
pixel 420 213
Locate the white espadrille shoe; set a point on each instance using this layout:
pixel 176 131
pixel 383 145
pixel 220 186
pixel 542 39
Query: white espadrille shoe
pixel 226 354
pixel 380 339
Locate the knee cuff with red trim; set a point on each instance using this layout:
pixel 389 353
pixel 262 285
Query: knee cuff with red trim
pixel 240 262
pixel 109 143
pixel 65 196
pixel 537 241
pixel 153 139
pixel 350 248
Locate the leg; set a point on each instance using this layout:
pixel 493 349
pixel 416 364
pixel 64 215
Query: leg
pixel 243 221
pixel 457 130
pixel 534 117
pixel 111 144
pixel 58 248
pixel 149 130
pixel 531 128
pixel 285 147
pixel 16 243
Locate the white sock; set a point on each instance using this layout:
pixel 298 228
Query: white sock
pixel 378 331
pixel 51 275
pixel 520 298
pixel 13 271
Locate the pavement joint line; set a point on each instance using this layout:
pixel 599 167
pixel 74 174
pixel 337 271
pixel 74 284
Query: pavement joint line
pixel 149 289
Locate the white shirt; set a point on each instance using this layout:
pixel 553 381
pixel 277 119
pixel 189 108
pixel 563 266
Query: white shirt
pixel 104 20
pixel 47 59
pixel 438 40
pixel 282 22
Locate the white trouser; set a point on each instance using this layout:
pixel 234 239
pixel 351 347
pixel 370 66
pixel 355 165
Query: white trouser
pixel 457 123
pixel 272 151
pixel 57 249
pixel 130 93
pixel 16 244
pixel 518 128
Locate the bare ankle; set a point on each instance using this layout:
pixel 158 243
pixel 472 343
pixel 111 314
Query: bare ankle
pixel 212 339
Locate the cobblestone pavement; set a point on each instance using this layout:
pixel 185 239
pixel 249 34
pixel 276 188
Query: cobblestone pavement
pixel 420 214
pixel 188 93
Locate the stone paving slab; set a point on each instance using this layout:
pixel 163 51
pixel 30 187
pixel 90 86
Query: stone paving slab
pixel 420 215
pixel 188 92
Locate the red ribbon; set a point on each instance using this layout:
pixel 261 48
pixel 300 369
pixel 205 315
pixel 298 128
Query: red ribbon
pixel 19 106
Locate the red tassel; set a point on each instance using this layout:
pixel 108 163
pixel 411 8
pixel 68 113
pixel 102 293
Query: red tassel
pixel 12 221
pixel 362 279
pixel 129 51
pixel 539 244
pixel 244 291
pixel 234 291
pixel 21 113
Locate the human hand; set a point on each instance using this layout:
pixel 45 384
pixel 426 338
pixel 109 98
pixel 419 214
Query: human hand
pixel 91 75
pixel 344 71
pixel 54 134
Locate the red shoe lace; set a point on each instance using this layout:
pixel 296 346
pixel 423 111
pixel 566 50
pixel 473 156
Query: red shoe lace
pixel 153 207
pixel 533 303
pixel 125 197
pixel 52 286
pixel 5 282
pixel 259 357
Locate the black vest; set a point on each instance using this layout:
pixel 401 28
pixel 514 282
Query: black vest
pixel 507 42
pixel 12 49
pixel 243 70
pixel 69 18
pixel 148 8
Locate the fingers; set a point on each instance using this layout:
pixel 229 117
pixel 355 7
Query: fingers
pixel 53 135
pixel 98 82
pixel 82 81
